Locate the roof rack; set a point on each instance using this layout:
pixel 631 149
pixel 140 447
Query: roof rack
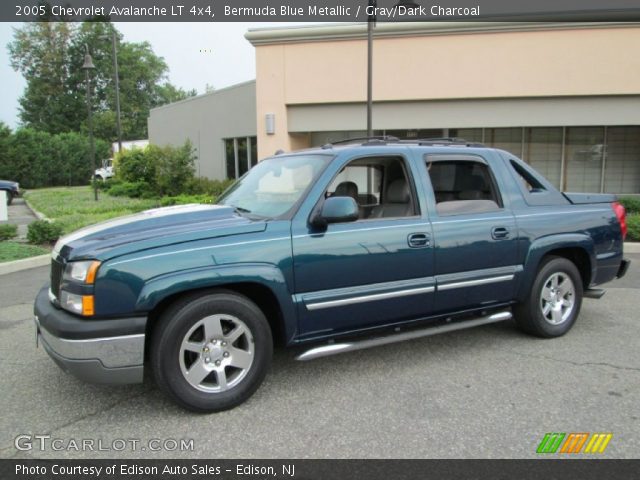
pixel 374 140
pixel 448 141
pixel 386 139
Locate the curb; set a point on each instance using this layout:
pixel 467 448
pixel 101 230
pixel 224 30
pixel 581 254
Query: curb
pixel 24 264
pixel 39 216
pixel 631 247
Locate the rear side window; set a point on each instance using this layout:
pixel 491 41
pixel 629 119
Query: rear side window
pixel 530 183
pixel 463 187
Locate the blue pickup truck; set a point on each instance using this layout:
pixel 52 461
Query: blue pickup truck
pixel 331 250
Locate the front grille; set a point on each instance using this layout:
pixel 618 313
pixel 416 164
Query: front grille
pixel 57 268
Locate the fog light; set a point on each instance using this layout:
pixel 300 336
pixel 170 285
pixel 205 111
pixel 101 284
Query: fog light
pixel 80 304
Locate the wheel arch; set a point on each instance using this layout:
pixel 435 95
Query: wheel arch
pixel 265 286
pixel 577 248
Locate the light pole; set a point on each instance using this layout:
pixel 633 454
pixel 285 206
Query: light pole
pixel 116 81
pixel 371 22
pixel 87 66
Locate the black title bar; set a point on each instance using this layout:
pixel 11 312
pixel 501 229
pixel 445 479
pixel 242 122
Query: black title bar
pixel 318 10
pixel 584 469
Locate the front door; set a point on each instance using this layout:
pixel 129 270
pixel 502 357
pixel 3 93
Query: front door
pixel 376 270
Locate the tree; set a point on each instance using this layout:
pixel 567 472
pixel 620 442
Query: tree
pixel 40 51
pixel 49 55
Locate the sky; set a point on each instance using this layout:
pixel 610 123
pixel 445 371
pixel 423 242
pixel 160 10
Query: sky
pixel 197 54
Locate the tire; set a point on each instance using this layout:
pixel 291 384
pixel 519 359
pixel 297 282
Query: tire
pixel 555 300
pixel 9 197
pixel 222 339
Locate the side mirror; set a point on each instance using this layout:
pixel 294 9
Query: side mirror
pixel 336 210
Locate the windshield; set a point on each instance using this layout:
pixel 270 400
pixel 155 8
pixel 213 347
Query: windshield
pixel 274 185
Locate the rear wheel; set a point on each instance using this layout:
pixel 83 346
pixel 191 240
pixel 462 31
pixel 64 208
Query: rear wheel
pixel 9 197
pixel 555 300
pixel 211 352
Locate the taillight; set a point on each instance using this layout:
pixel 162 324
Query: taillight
pixel 622 217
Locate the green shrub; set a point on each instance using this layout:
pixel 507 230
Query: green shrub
pixel 175 168
pixel 202 185
pixel 131 189
pixel 105 185
pixel 8 231
pixel 43 231
pixel 38 159
pixel 185 199
pixel 167 171
pixel 135 165
pixel 633 227
pixel 631 204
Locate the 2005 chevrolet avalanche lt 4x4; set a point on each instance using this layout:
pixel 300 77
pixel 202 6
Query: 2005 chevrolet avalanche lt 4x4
pixel 338 248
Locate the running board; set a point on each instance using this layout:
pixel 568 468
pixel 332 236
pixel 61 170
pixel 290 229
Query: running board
pixel 596 293
pixel 335 348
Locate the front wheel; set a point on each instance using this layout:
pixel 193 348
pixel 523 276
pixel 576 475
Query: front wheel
pixel 211 352
pixel 555 300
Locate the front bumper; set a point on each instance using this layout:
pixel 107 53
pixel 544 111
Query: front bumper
pixel 96 351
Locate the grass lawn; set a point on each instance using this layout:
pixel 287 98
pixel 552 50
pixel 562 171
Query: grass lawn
pixel 15 251
pixel 74 207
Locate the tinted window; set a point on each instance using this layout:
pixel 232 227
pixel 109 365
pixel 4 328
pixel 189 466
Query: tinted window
pixel 462 187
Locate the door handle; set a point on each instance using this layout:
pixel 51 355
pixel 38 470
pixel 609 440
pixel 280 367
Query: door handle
pixel 500 233
pixel 418 240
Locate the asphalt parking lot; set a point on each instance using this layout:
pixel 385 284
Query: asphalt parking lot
pixel 488 392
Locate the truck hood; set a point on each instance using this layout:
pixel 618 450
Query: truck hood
pixel 154 228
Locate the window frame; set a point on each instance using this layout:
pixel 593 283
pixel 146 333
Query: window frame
pixel 428 158
pixel 406 169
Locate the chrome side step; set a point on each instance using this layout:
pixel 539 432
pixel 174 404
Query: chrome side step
pixel 596 293
pixel 335 348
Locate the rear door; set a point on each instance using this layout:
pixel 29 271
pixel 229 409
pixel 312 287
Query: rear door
pixel 474 232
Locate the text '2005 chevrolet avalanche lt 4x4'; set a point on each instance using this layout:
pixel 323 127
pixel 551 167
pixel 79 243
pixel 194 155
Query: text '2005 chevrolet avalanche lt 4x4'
pixel 338 248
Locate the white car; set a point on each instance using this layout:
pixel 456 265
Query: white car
pixel 106 171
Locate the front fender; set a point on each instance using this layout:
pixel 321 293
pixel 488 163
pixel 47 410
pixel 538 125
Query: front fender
pixel 543 246
pixel 165 286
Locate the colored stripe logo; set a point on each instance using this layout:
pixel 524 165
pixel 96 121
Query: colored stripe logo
pixel 574 442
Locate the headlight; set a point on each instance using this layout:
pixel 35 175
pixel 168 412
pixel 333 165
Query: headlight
pixel 84 272
pixel 80 304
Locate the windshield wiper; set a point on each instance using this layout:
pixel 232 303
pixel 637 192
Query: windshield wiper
pixel 240 209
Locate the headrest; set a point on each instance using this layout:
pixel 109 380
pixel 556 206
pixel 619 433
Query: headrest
pixel 346 189
pixel 398 192
pixel 472 182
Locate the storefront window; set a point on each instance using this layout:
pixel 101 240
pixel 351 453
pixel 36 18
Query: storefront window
pixel 509 139
pixel 254 151
pixel 240 155
pixel 622 161
pixel 543 151
pixel 583 159
pixel 230 158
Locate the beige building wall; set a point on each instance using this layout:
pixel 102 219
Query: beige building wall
pixel 299 69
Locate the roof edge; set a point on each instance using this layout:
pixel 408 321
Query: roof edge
pixel 206 94
pixel 355 31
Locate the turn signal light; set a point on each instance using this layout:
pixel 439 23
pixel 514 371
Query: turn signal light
pixel 87 305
